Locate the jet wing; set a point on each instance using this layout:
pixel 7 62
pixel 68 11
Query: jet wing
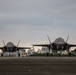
pixel 44 45
pixel 72 45
pixel 23 48
pixel 1 48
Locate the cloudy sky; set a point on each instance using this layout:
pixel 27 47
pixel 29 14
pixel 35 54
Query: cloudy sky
pixel 32 20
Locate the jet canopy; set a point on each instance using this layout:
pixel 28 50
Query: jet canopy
pixel 10 44
pixel 59 41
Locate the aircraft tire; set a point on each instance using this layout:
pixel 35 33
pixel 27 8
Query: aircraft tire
pixel 59 55
pixel 69 54
pixel 47 54
pixel 1 54
pixel 19 55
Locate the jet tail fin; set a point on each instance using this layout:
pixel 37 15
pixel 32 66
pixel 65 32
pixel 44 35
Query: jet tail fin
pixel 18 43
pixel 49 39
pixel 67 38
pixel 3 42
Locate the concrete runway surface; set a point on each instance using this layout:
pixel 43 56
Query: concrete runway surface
pixel 37 65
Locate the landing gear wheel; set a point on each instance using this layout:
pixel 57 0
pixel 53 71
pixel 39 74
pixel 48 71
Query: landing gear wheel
pixel 69 54
pixel 19 55
pixel 1 54
pixel 59 55
pixel 47 54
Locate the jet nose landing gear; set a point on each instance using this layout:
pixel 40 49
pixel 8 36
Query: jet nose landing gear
pixel 1 54
pixel 69 54
pixel 18 54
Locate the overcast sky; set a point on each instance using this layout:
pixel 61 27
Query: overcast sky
pixel 32 20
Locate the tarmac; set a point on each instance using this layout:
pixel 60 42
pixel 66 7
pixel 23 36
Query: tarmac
pixel 37 65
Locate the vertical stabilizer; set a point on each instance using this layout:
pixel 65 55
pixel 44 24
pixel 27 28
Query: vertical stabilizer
pixel 3 42
pixel 67 39
pixel 49 39
pixel 18 43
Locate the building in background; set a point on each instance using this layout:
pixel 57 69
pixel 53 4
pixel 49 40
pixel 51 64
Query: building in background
pixel 43 50
pixel 30 52
pixel 23 53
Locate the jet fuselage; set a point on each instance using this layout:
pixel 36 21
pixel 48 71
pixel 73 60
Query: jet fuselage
pixel 9 47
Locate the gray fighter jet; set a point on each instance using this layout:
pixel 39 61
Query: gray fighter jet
pixel 10 47
pixel 59 44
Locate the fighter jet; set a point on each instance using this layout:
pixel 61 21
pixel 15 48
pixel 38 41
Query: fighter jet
pixel 59 45
pixel 10 47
